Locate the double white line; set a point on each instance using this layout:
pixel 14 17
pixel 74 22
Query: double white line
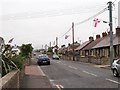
pixel 59 87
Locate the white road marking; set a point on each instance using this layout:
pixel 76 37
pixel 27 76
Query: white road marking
pixel 41 71
pixel 113 81
pixel 59 87
pixel 90 73
pixel 72 67
pixel 52 82
pixel 64 64
pixel 59 62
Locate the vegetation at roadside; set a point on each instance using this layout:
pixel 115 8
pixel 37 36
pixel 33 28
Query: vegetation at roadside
pixel 12 60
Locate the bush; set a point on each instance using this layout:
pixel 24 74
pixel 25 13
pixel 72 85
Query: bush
pixel 19 61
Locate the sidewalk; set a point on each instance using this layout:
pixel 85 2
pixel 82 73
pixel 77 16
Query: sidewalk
pixel 103 66
pixel 35 78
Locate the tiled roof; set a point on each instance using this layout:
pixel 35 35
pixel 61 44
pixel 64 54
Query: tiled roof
pixel 92 44
pixel 83 45
pixel 106 41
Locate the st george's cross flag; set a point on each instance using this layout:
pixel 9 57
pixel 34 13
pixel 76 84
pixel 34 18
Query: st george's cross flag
pixel 66 36
pixel 96 21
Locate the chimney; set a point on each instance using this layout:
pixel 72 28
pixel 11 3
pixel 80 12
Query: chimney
pixel 98 36
pixel 91 38
pixel 118 31
pixel 109 33
pixel 104 34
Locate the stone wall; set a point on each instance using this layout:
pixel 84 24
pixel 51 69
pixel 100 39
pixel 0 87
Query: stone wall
pixel 94 60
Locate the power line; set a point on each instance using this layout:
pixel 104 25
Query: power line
pixel 100 12
pixel 114 1
pixel 66 32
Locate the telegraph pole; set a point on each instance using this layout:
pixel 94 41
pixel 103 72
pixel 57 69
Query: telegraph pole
pixel 56 45
pixel 50 44
pixel 56 41
pixel 111 32
pixel 73 41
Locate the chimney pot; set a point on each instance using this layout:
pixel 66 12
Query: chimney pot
pixel 109 33
pixel 104 34
pixel 98 36
pixel 91 38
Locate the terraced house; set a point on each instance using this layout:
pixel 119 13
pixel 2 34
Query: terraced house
pixel 102 49
pixel 99 49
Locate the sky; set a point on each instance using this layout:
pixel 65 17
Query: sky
pixel 39 22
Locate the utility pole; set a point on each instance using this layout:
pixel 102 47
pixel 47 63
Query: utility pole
pixel 111 32
pixel 73 41
pixel 50 44
pixel 56 45
pixel 56 41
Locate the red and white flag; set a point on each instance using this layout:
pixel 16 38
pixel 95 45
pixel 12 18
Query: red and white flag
pixel 66 36
pixel 10 41
pixel 96 21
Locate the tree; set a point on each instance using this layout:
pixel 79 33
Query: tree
pixel 50 49
pixel 26 50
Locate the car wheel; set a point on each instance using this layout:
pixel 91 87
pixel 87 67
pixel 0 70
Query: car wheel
pixel 115 73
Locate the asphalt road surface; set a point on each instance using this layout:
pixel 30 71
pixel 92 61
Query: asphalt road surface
pixel 74 74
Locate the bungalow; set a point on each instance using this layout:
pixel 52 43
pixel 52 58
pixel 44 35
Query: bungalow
pixel 102 49
pixel 70 47
pixel 88 49
pixel 80 48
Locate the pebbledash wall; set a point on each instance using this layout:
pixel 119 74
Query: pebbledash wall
pixel 119 13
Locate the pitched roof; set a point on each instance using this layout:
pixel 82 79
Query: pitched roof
pixel 106 41
pixel 92 44
pixel 83 45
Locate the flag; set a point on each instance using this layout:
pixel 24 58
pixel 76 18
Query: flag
pixel 10 40
pixel 96 21
pixel 66 36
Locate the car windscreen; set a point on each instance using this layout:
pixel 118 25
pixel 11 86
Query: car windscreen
pixel 42 57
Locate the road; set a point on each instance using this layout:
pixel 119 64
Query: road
pixel 74 74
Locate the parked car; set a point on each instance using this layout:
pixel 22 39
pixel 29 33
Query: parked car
pixel 43 59
pixel 116 67
pixel 55 57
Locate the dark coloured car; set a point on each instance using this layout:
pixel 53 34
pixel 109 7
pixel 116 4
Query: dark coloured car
pixel 116 67
pixel 43 59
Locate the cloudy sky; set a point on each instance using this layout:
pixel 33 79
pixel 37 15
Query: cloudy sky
pixel 40 21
